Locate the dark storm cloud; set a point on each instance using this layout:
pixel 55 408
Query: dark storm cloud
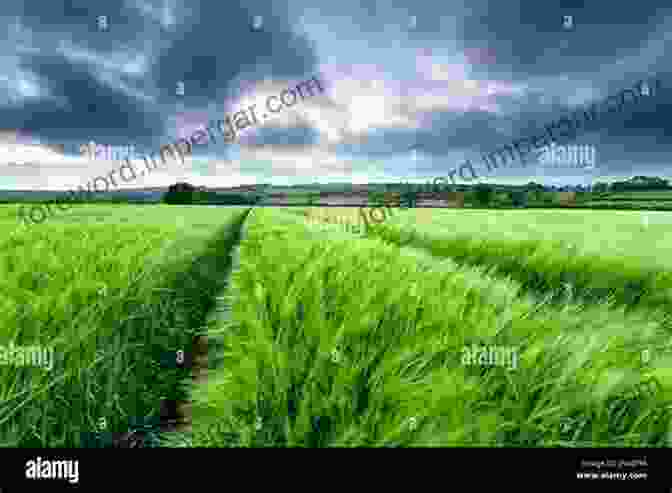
pixel 526 38
pixel 447 131
pixel 78 20
pixel 651 118
pixel 526 35
pixel 380 143
pixel 209 47
pixel 91 108
pixel 79 104
pixel 217 45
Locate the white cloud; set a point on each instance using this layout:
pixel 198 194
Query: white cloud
pixel 13 152
pixel 306 161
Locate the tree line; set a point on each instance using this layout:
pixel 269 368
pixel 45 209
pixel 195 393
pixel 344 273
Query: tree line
pixel 186 193
pixel 481 194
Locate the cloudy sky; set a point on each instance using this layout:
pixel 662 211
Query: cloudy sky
pixel 410 90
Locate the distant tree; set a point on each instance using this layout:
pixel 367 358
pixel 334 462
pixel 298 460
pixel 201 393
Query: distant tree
pixel 534 187
pixel 180 193
pixel 375 198
pixel 408 197
pixel 313 198
pixel 535 194
pixel 548 197
pixel 483 194
pixel 519 198
pixel 600 187
pixel 641 183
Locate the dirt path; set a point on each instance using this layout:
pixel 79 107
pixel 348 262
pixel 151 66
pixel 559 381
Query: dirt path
pixel 199 374
pixel 175 416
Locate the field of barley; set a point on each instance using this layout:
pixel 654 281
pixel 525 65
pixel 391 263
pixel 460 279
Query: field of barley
pixel 115 292
pixel 418 328
pixel 334 338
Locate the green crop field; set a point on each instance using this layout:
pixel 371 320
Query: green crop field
pixel 436 327
pixel 640 196
pixel 625 204
pixel 112 292
pixel 335 339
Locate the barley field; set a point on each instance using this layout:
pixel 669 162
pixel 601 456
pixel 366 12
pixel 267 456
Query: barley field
pixel 334 339
pixel 415 328
pixel 113 293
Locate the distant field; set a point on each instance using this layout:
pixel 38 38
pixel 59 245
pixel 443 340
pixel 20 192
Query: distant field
pixel 640 196
pixel 645 236
pixel 598 253
pixel 637 205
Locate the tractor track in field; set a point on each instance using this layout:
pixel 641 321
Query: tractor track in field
pixel 175 416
